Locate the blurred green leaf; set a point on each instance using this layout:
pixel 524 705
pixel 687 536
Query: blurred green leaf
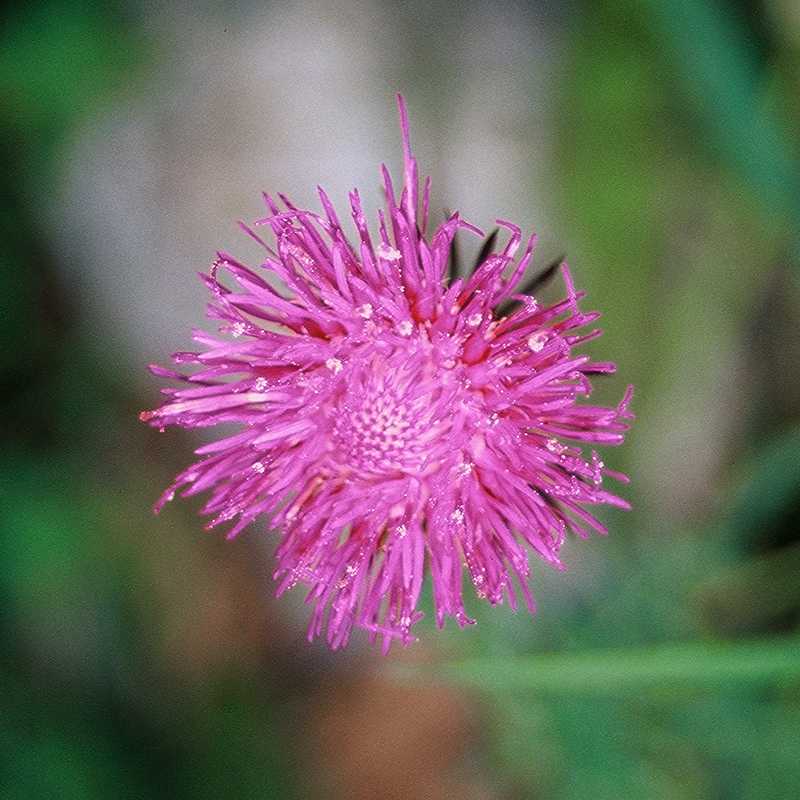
pixel 717 70
pixel 772 483
pixel 679 666
pixel 235 741
pixel 58 57
pixel 48 750
pixel 766 586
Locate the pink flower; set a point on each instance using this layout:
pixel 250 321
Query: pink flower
pixel 393 420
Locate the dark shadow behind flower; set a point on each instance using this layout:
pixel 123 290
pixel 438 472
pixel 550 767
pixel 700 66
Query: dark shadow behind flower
pixel 394 420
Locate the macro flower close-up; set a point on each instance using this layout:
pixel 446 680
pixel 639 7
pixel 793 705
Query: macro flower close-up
pixel 396 418
pixel 468 467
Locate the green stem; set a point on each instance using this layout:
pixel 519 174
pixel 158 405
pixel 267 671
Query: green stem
pixel 690 665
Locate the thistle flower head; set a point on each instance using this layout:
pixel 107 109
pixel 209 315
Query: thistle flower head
pixel 395 421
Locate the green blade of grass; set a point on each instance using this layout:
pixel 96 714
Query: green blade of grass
pixel 717 68
pixel 690 665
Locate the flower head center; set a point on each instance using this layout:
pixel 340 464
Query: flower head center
pixel 390 420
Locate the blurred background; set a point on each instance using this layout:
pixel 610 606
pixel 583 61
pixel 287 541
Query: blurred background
pixel 655 144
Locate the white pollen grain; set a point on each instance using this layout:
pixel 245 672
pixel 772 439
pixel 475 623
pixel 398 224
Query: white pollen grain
pixel 537 341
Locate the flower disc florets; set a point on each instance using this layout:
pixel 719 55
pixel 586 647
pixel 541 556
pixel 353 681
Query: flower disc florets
pixel 394 420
